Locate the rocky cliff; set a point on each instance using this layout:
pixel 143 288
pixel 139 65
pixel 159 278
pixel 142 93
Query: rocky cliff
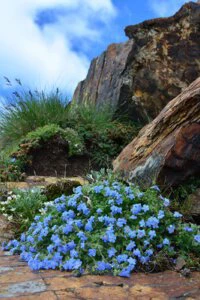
pixel 168 149
pixel 139 77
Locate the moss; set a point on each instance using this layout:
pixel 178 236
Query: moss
pixel 63 186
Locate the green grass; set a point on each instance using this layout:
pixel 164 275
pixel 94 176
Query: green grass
pixel 30 111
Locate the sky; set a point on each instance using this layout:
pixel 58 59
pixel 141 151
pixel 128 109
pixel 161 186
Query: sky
pixel 50 43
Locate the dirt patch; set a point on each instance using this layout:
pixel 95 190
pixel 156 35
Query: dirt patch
pixel 52 159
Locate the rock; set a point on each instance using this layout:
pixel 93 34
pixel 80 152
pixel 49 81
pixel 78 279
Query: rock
pixel 194 200
pixel 62 186
pixel 166 150
pixel 139 77
pixel 180 263
pixel 6 230
pixel 40 182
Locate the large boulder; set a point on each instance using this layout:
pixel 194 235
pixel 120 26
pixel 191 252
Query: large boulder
pixel 167 150
pixel 139 77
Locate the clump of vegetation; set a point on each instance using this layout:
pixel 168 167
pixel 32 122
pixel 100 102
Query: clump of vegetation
pixel 181 195
pixel 104 137
pixel 28 110
pixel 108 227
pixel 21 206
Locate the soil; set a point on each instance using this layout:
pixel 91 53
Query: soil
pixel 52 159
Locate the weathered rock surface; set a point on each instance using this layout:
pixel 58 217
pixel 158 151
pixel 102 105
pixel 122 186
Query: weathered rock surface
pixel 139 77
pixel 168 149
pixel 18 282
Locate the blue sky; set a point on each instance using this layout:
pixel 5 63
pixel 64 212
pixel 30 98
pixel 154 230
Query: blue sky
pixel 50 43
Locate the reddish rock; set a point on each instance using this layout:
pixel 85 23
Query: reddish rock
pixel 168 149
pixel 139 77
pixel 22 283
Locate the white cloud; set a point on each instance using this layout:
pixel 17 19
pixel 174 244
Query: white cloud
pixel 45 57
pixel 165 8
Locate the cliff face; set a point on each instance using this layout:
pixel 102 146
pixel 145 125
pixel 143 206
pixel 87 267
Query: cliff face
pixel 139 77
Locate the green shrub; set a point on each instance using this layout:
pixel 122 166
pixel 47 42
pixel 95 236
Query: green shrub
pixel 21 206
pixel 108 226
pixel 29 110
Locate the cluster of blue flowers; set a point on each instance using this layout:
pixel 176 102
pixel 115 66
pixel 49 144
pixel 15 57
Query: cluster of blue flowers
pixel 107 227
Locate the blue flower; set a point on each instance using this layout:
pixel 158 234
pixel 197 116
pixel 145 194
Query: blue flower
pixel 149 252
pixel 142 223
pixel 121 222
pixel 116 210
pixel 145 208
pixel 171 228
pixel 97 189
pixel 30 239
pixel 56 240
pixel 152 222
pixel 102 266
pixel 152 234
pixel 141 233
pixel 122 258
pixel 67 229
pixel 137 252
pixel 144 259
pixel 140 195
pixel 156 188
pixel 131 196
pixel 73 253
pixel 130 246
pixel 177 214
pixel 78 190
pixel 187 228
pixel 161 214
pixel 125 272
pixel 83 207
pixel 166 201
pixel 166 241
pixel 57 257
pixel 61 207
pixel 88 226
pixel 78 223
pixel 92 252
pixel 50 248
pixel 111 252
pixel 132 262
pixel 109 237
pixel 119 200
pixel 68 215
pixel 72 264
pixel 136 208
pixel 82 236
pixel 197 238
pixel 99 211
pixel 71 245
